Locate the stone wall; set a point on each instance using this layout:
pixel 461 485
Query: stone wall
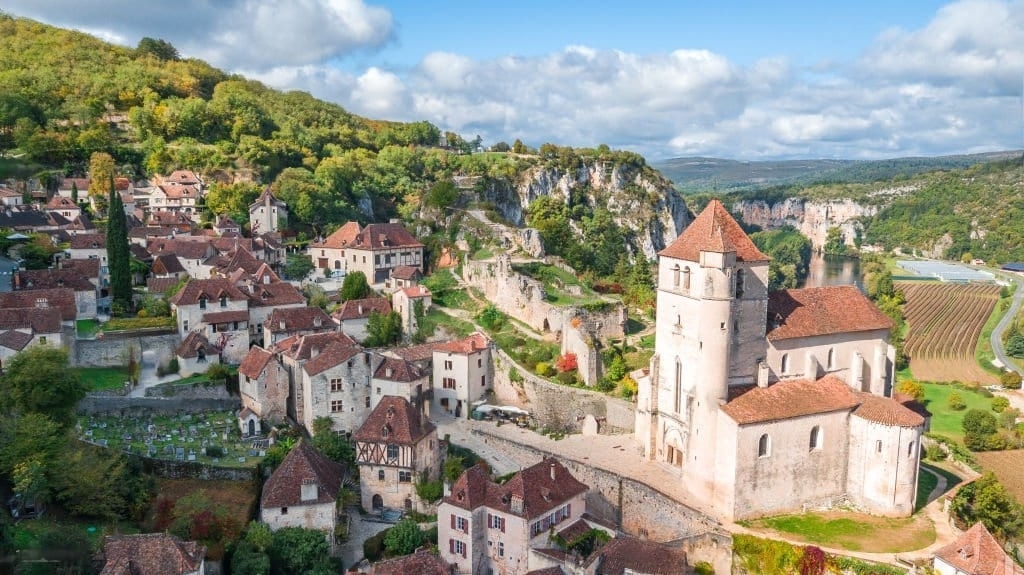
pixel 633 507
pixel 113 349
pixel 558 406
pixel 519 296
pixel 145 406
pixel 198 390
pixel 195 470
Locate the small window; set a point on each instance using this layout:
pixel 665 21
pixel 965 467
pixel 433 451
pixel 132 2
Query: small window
pixel 816 442
pixel 910 449
pixel 336 406
pixel 223 301
pixel 380 475
pixel 686 278
pixel 764 446
pixel 367 401
pixel 784 366
pixel 878 446
pixel 284 511
pixel 392 452
pixel 405 476
pixel 675 276
pixel 831 358
pixel 739 283
pixel 202 303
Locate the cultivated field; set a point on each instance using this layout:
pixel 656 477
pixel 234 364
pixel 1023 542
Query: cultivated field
pixel 1008 466
pixel 944 323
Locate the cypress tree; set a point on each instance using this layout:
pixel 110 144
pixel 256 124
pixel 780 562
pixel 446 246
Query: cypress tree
pixel 118 256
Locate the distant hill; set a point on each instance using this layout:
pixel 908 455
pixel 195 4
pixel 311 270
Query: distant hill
pixel 699 174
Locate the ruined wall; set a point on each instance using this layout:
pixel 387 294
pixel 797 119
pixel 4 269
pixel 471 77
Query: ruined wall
pixel 558 406
pixel 113 348
pixel 517 295
pixel 633 507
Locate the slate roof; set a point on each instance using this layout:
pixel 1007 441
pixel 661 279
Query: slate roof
pixel 392 369
pixel 976 552
pixel 713 230
pixel 422 562
pixel 194 342
pixel 303 462
pixel 394 420
pixel 627 555
pixel 25 218
pixel 60 299
pixel 539 492
pixel 821 311
pixel 89 268
pixel 15 340
pixel 88 242
pixel 167 264
pixel 160 285
pixel 150 554
pixel 330 356
pixel 254 362
pixel 212 288
pixel 361 308
pixel 472 343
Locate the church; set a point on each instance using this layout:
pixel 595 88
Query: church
pixel 772 402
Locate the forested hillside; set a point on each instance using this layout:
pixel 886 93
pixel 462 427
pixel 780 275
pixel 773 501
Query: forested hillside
pixel 65 96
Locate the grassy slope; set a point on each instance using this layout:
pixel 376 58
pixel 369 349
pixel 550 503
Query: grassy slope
pixel 947 421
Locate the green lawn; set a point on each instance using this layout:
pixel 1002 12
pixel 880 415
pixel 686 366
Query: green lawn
pixel 87 328
pixel 101 378
pixel 435 318
pixel 948 421
pixel 854 531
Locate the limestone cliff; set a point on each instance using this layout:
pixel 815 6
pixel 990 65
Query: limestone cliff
pixel 813 218
pixel 643 203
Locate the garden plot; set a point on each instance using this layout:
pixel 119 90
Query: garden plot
pixel 212 437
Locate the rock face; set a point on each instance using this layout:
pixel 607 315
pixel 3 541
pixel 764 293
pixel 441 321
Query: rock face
pixel 643 203
pixel 813 218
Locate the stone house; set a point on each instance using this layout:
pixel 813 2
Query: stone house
pixel 64 207
pixel 267 298
pixel 84 303
pixel 422 562
pixel 196 354
pixel 220 310
pixel 408 302
pixel 336 384
pixel 354 315
pixel 267 214
pixel 402 277
pixel 395 448
pixel 293 353
pixel 263 384
pixel 487 527
pixel 167 266
pixel 975 552
pixel 89 269
pixel 9 198
pixel 224 225
pixel 62 299
pixel 463 372
pixel 767 403
pixel 66 187
pixel 287 322
pixel 22 327
pixel 400 378
pixel 302 492
pixel 151 554
pixel 191 253
pixel 374 250
pixel 90 247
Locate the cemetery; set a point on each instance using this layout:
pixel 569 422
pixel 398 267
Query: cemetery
pixel 212 437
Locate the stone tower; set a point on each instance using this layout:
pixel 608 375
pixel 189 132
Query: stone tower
pixel 711 315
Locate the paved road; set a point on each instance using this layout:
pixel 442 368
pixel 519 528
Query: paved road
pixel 997 334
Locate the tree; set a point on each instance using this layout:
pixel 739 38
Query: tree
pixel 1010 380
pixel 161 49
pixel 519 148
pixel 38 380
pixel 443 194
pixel 834 245
pixel 118 254
pixel 383 329
pixel 404 538
pixel 501 147
pixel 298 266
pixel 912 388
pixel 354 286
pixel 95 482
pixel 986 500
pixel 954 401
pixel 74 192
pixel 298 550
pixel 980 422
pixel 331 444
pixel 101 171
pixel 999 404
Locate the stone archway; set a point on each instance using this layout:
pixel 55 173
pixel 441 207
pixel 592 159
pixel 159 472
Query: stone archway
pixel 674 447
pixel 378 501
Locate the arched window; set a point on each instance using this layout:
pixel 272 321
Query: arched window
pixel 675 276
pixel 739 283
pixel 831 358
pixel 686 278
pixel 679 386
pixel 784 367
pixel 910 449
pixel 764 446
pixel 816 441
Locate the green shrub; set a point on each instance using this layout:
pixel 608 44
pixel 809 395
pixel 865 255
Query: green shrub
pixel 544 369
pixel 703 568
pixel 956 402
pixel 373 548
pixel 999 404
pixel 430 491
pixel 1010 380
pixel 934 452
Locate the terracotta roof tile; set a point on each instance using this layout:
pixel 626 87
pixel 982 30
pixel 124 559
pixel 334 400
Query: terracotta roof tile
pixel 150 554
pixel 303 463
pixel 472 343
pixel 191 249
pixel 821 311
pixel 211 288
pixel 286 320
pixel 574 530
pixel 254 362
pixel 51 279
pixel 361 308
pixel 556 570
pixel 394 420
pixel 886 411
pixel 160 285
pixel 341 237
pixel 88 242
pixel 421 352
pixel 15 340
pixel 627 555
pixel 166 264
pixel 912 404
pixel 62 203
pixel 274 294
pixel 61 299
pixel 406 272
pixel 978 553
pixel 194 342
pixel 713 230
pixel 541 487
pixel 88 268
pixel 413 292
pixel 300 347
pixel 790 398
pixel 392 369
pixel 422 562
pixel 331 356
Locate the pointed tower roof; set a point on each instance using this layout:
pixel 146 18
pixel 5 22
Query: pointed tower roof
pixel 714 230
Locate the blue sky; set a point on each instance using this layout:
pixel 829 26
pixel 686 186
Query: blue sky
pixel 744 80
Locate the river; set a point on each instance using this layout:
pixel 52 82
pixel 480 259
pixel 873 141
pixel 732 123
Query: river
pixel 832 271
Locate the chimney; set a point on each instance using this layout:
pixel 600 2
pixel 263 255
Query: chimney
pixel 281 323
pixel 762 374
pixel 552 467
pixel 360 308
pixel 389 372
pixel 309 490
pixel 313 352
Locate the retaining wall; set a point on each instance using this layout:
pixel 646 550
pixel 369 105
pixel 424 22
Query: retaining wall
pixel 198 390
pixel 145 406
pixel 115 348
pixel 558 406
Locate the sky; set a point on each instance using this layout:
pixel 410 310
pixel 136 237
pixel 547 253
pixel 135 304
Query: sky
pixel 732 79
